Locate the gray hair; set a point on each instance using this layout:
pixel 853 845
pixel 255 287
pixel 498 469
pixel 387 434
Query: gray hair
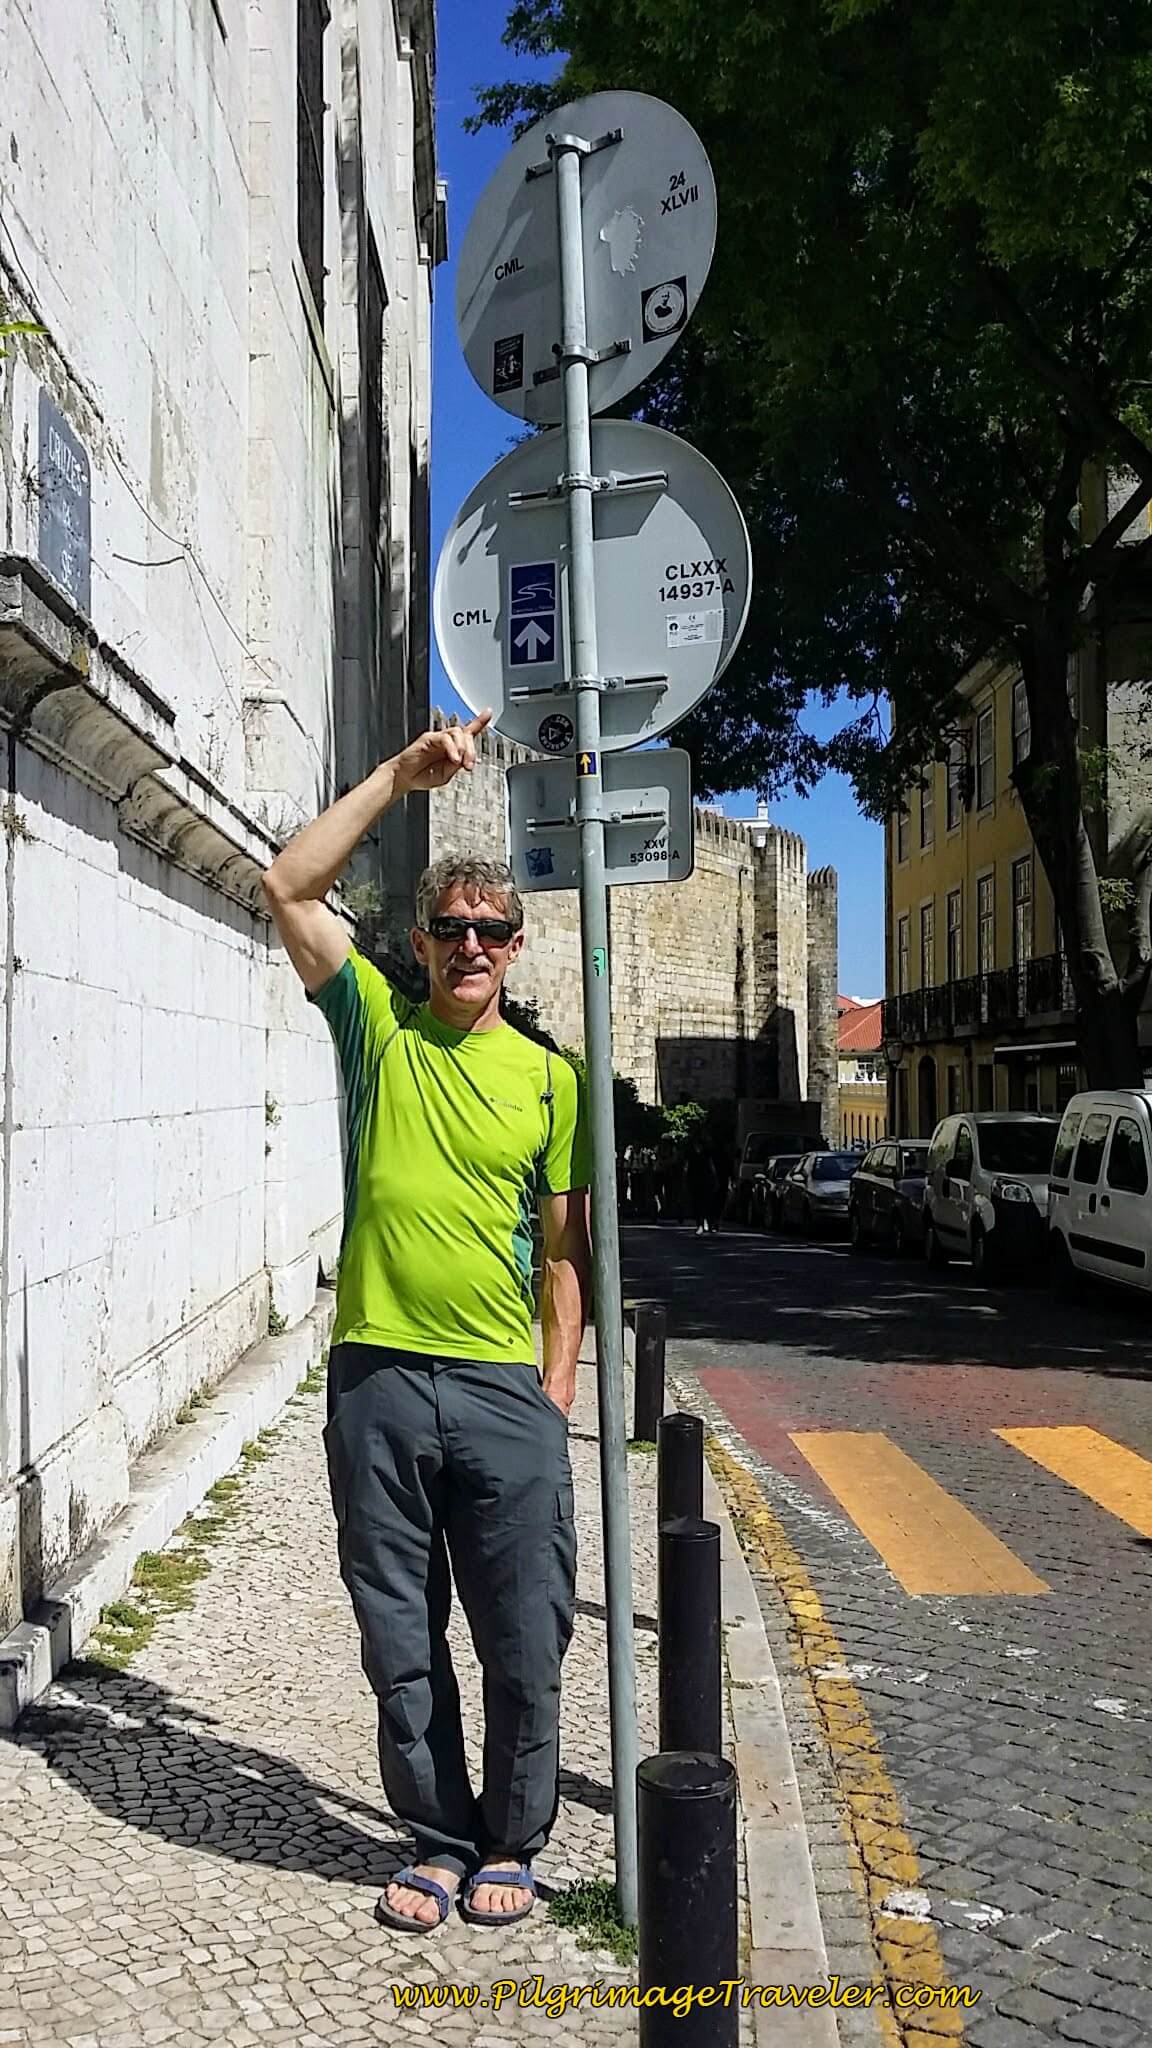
pixel 491 878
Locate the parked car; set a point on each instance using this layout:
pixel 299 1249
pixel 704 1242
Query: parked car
pixel 1099 1206
pixel 886 1197
pixel 986 1189
pixel 764 1207
pixel 814 1196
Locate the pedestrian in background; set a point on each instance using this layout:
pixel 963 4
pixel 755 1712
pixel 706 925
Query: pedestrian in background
pixel 703 1187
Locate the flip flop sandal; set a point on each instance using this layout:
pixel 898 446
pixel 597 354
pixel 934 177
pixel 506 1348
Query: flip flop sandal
pixel 407 1924
pixel 518 1880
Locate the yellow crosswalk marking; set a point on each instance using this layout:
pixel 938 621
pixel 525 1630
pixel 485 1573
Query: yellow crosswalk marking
pixel 929 1542
pixel 1110 1474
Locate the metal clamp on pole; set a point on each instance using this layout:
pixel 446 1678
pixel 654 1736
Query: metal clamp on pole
pixel 679 1467
pixel 689 1926
pixel 580 486
pixel 688 1612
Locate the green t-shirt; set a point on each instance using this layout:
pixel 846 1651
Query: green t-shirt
pixel 451 1141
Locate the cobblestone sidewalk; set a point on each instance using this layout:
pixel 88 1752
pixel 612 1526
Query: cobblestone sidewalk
pixel 191 1849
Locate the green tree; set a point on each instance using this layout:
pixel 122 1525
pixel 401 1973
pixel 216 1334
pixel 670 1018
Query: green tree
pixel 637 1122
pixel 927 338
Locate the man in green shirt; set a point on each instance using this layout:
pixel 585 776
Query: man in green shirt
pixel 443 1442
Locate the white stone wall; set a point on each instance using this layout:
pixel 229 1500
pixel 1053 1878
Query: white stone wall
pixel 170 1138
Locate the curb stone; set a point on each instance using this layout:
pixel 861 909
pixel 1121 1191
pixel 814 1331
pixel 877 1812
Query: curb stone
pixel 165 1485
pixel 786 1938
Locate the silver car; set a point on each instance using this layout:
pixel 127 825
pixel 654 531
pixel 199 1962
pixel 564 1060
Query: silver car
pixel 815 1195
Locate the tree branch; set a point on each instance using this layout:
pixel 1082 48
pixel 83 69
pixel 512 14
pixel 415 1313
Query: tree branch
pixel 1090 561
pixel 1078 395
pixel 1016 605
pixel 1139 964
pixel 1057 531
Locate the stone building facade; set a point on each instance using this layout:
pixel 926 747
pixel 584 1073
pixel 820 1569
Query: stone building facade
pixel 223 218
pixel 722 986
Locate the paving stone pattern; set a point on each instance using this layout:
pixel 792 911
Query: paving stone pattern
pixel 190 1851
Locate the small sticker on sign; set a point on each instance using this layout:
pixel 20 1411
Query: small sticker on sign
pixel 539 862
pixel 664 308
pixel 508 363
pixel 585 764
pixel 555 733
pixel 695 629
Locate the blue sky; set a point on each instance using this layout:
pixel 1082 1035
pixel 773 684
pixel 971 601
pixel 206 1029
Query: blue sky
pixel 470 433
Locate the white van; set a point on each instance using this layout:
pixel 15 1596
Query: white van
pixel 986 1190
pixel 1099 1206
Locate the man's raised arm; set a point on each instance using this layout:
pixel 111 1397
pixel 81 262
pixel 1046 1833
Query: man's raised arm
pixel 317 943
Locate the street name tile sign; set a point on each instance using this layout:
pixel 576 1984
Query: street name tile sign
pixel 649 224
pixel 673 569
pixel 648 819
pixel 64 476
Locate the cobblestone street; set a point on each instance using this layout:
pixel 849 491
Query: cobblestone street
pixel 1007 1807
pixel 192 1849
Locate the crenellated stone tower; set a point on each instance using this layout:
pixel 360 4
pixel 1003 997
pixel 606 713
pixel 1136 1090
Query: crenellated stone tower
pixel 823 980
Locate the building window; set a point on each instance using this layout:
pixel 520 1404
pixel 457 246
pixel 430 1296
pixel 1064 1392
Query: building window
pixel 957 765
pixel 955 935
pixel 954 1102
pixel 1022 911
pixel 928 807
pixel 903 833
pixel 928 945
pixel 1021 723
pixel 903 955
pixel 985 1085
pixel 985 758
pixel 311 22
pixel 986 924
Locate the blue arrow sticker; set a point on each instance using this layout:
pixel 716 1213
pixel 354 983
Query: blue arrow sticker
pixel 532 614
pixel 585 764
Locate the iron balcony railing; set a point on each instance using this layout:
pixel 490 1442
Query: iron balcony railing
pixel 1010 995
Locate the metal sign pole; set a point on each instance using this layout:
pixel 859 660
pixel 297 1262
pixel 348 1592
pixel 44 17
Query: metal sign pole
pixel 566 152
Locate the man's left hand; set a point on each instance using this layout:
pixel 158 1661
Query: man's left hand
pixel 561 1388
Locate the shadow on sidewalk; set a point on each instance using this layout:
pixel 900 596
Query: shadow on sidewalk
pixel 147 1760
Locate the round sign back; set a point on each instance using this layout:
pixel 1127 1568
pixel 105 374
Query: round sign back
pixel 649 212
pixel 673 570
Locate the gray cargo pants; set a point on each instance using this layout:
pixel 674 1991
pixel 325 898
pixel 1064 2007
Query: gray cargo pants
pixel 438 1458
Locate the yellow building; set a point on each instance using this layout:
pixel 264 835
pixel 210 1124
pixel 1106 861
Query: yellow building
pixel 979 1012
pixel 862 1090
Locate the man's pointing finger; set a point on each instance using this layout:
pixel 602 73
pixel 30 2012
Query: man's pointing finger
pixel 476 725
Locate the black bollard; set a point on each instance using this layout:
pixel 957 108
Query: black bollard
pixel 687 1900
pixel 688 1614
pixel 679 1467
pixel 650 1324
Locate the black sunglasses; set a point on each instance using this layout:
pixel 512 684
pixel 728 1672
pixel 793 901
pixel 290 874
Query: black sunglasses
pixel 495 931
